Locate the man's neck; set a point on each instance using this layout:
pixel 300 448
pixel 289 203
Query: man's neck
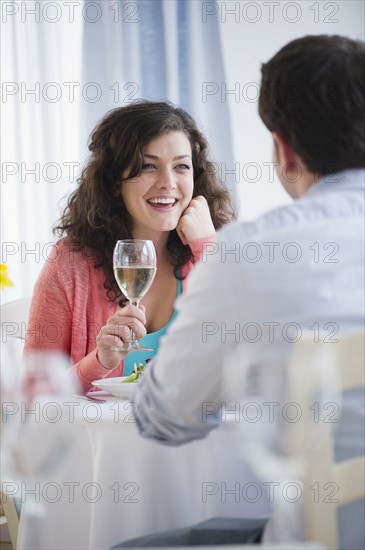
pixel 300 188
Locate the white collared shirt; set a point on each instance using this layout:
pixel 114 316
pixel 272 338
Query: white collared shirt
pixel 297 269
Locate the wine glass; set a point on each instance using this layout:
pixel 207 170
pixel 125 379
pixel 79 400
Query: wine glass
pixel 39 435
pixel 134 263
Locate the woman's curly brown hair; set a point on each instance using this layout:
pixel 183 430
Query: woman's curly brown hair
pixel 95 216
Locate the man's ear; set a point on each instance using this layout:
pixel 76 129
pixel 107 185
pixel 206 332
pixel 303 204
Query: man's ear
pixel 287 158
pixel 285 153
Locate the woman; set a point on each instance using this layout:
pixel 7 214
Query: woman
pixel 148 177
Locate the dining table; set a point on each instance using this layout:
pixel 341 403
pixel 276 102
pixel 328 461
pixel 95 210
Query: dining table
pixel 112 484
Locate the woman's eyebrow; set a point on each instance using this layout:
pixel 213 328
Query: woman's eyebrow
pixel 156 157
pixel 179 157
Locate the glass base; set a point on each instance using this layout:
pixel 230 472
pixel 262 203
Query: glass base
pixel 130 348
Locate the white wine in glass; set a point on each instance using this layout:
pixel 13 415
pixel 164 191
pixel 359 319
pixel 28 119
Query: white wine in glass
pixel 134 264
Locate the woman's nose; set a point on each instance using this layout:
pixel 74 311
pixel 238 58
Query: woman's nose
pixel 166 180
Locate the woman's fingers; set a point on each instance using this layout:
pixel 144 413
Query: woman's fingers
pixel 196 222
pixel 128 311
pixel 123 326
pixel 126 321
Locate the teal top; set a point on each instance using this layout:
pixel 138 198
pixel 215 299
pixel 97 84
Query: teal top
pixel 151 340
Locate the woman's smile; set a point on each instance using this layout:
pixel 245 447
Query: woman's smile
pixel 163 204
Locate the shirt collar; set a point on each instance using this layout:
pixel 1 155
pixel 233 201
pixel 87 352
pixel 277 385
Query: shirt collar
pixel 346 180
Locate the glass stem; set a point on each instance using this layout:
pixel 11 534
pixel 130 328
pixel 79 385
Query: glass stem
pixel 134 342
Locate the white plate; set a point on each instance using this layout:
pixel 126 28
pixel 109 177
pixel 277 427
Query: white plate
pixel 116 387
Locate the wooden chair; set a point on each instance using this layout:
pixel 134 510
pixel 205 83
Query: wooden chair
pixel 348 476
pixel 12 517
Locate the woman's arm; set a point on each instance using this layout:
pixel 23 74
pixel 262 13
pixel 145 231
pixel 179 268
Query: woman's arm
pixel 56 322
pixel 50 318
pixel 60 317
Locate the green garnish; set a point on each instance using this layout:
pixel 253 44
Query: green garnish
pixel 135 375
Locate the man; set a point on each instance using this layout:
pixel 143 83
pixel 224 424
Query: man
pixel 297 269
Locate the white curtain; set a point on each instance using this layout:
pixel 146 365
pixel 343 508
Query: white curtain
pixel 68 63
pixel 159 50
pixel 40 133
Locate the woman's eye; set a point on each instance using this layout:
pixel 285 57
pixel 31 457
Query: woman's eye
pixel 183 167
pixel 148 166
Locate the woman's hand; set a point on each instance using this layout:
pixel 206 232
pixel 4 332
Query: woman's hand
pixel 196 222
pixel 118 329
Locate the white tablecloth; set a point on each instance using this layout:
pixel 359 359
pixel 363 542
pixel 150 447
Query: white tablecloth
pixel 118 485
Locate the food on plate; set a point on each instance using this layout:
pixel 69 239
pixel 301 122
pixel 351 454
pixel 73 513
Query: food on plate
pixel 135 375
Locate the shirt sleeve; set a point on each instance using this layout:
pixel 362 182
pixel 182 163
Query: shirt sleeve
pixel 184 382
pixel 87 370
pixel 201 248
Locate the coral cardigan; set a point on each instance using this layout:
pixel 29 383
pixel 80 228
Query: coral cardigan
pixel 70 306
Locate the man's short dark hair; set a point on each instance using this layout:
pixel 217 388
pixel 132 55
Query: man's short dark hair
pixel 313 95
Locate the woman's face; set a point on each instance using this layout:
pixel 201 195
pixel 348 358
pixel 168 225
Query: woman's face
pixel 159 195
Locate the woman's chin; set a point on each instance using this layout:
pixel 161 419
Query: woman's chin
pixel 166 226
pixel 153 231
